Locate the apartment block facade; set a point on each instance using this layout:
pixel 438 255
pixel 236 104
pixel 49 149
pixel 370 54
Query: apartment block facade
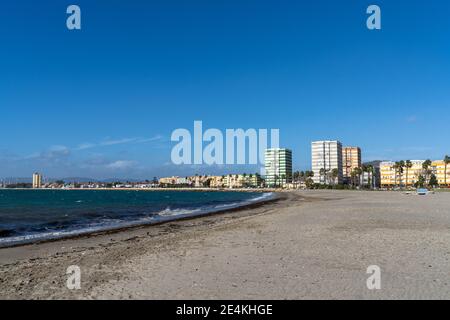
pixel 326 156
pixel 225 181
pixel 438 169
pixel 243 181
pixel 351 159
pixel 391 177
pixel 278 166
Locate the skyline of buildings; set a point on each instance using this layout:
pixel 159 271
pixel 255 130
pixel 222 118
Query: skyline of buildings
pixel 330 162
pixel 224 181
pixel 325 156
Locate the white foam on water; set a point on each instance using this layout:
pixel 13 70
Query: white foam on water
pixel 176 212
pixel 221 206
pixel 167 214
pixel 264 196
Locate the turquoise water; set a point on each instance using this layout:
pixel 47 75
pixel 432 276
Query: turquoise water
pixel 30 215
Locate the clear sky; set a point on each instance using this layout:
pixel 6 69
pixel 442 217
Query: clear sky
pixel 102 102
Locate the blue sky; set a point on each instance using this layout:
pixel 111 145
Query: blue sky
pixel 103 101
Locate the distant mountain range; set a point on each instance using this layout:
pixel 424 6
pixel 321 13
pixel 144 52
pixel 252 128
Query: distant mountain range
pixel 374 163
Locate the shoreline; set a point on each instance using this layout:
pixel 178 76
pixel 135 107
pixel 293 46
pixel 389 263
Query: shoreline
pixel 308 245
pixel 51 248
pixel 274 197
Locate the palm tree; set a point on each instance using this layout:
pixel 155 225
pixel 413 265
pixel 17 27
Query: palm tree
pixel 334 175
pixel 353 175
pixel 398 167
pixel 356 173
pixel 395 167
pixel 296 176
pixel 408 165
pixel 446 162
pixel 401 164
pixel 308 178
pixel 420 182
pixel 426 168
pixel 369 169
pixel 322 173
pixel 433 181
pixel 360 173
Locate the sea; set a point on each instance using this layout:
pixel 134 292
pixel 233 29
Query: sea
pixel 34 215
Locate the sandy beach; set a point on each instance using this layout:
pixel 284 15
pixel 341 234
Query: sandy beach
pixel 308 245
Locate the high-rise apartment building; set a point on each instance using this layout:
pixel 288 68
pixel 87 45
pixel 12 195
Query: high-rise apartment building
pixel 37 180
pixel 351 159
pixel 326 157
pixel 278 165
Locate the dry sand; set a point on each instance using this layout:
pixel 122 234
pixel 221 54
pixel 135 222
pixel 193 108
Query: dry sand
pixel 311 245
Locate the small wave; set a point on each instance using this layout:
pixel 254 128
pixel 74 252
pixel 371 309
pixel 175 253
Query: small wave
pixel 176 212
pixel 38 236
pixel 103 226
pixel 264 196
pixel 58 229
pixel 228 205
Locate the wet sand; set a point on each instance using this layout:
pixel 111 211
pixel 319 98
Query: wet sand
pixel 309 245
